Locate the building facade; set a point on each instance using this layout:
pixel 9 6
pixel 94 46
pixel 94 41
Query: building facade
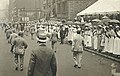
pixel 76 6
pixel 25 10
pixel 67 9
pixel 22 10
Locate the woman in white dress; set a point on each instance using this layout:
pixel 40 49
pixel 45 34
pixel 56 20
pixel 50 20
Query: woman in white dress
pixel 70 35
pixel 106 46
pixel 95 39
pixel 89 38
pixel 117 41
pixel 99 36
pixel 111 41
pixel 85 36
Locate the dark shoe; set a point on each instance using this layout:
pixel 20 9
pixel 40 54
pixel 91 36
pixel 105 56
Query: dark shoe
pixel 16 68
pixel 55 51
pixel 75 66
pixel 79 67
pixel 11 51
pixel 21 69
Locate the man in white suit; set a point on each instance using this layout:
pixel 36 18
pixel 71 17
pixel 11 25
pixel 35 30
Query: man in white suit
pixel 77 48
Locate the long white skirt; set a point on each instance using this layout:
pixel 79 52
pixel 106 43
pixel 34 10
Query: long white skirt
pixel 85 40
pixel 116 46
pixel 59 34
pixel 106 44
pixel 89 41
pixel 111 45
pixel 70 36
pixel 95 42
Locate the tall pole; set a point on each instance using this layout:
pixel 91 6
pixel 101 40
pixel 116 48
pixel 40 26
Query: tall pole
pixel 24 11
pixel 39 10
pixel 36 9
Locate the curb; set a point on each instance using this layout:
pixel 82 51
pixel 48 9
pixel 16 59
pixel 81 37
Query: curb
pixel 103 55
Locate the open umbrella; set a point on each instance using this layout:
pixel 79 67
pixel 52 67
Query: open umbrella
pixel 88 24
pixel 106 20
pixel 96 20
pixel 114 21
pixel 69 22
pixel 105 17
pixel 83 23
pixel 77 23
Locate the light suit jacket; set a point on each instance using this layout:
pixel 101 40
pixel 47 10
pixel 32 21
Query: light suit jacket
pixel 77 44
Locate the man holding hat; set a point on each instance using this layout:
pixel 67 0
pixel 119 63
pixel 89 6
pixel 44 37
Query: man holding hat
pixel 42 61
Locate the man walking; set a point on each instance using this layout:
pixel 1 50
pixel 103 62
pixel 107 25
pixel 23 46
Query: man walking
pixel 77 49
pixel 42 61
pixel 12 38
pixel 20 45
pixel 32 31
pixel 62 35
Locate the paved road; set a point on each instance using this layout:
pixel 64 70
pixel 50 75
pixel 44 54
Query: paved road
pixel 91 65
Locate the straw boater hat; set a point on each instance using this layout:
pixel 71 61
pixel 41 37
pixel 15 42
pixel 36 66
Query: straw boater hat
pixel 117 26
pixel 42 36
pixel 79 29
pixel 100 26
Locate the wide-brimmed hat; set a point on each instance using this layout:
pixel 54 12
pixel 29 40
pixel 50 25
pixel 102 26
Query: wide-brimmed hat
pixel 42 36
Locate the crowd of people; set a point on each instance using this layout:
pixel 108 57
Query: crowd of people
pixel 42 60
pixel 99 35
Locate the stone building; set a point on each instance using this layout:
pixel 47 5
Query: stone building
pixel 68 9
pixel 37 9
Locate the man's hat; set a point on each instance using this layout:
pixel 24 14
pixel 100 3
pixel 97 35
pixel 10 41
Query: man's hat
pixel 117 26
pixel 42 36
pixel 100 26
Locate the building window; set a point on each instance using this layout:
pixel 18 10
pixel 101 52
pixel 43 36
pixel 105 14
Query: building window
pixel 64 7
pixel 58 8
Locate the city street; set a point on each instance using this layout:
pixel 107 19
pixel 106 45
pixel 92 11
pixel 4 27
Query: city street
pixel 91 65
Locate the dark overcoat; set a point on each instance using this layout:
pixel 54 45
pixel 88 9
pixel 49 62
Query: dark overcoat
pixel 42 62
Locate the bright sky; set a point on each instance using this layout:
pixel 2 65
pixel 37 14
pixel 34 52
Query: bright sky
pixel 3 3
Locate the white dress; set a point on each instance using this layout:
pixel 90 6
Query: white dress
pixel 70 35
pixel 95 41
pixel 102 40
pixel 89 39
pixel 106 44
pixel 85 38
pixel 111 42
pixel 117 45
pixel 74 33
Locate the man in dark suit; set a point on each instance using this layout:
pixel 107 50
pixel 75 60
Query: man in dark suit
pixel 62 35
pixel 42 61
